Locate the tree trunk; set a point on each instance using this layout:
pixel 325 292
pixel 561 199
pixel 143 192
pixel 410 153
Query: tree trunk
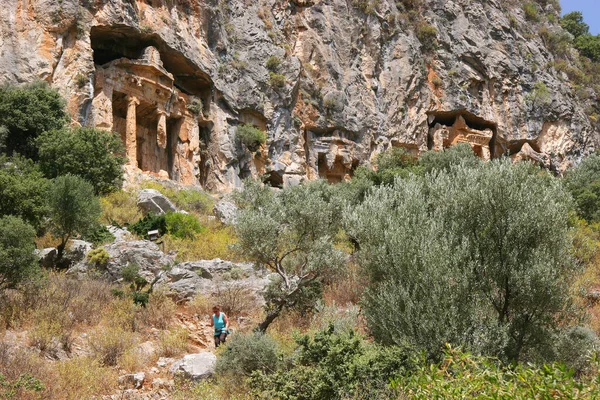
pixel 262 327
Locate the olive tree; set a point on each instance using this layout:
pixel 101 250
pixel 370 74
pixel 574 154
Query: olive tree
pixel 292 233
pixel 17 257
pixel 478 256
pixel 584 184
pixel 74 209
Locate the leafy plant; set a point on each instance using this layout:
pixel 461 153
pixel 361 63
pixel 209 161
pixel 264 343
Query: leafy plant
pixel 149 222
pixel 273 63
pixel 182 225
pixel 17 258
pixel 276 80
pixel 250 136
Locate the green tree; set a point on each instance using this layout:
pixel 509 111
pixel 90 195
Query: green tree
pixel 74 209
pixel 478 257
pixel 584 184
pixel 443 161
pixel 589 46
pixel 26 112
pixel 17 258
pixel 23 190
pixel 292 234
pixel 92 154
pixel 573 23
pixel 250 136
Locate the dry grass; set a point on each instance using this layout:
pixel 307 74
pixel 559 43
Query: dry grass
pixel 214 242
pixel 347 289
pixel 119 208
pixel 173 343
pixel 235 299
pixel 122 313
pixel 200 305
pixel 83 378
pixel 46 241
pixel 159 311
pixel 109 343
pixel 22 374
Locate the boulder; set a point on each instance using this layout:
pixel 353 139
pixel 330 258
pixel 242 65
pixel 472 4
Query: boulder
pixel 195 367
pixel 120 234
pixel 151 200
pixel 46 257
pixel 226 212
pixel 135 381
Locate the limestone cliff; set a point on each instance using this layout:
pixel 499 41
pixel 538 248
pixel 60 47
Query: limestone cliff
pixel 332 82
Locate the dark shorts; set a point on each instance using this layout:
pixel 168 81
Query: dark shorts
pixel 220 338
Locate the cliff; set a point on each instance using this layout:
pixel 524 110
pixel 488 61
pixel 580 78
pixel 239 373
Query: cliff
pixel 331 82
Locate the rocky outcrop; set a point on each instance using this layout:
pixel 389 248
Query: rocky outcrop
pixel 226 212
pixel 195 367
pixel 331 82
pixel 153 201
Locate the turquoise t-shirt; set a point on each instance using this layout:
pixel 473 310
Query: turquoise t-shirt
pixel 219 323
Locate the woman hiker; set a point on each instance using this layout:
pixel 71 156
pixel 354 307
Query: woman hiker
pixel 221 323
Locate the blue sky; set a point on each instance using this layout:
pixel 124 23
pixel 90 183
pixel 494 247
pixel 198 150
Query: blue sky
pixel 590 10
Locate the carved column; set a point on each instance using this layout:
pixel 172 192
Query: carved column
pixel 161 130
pixel 131 130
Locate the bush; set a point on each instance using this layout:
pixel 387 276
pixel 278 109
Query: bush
pixel 584 184
pixel 214 242
pixel 276 80
pixel 531 11
pixel 83 378
pixel 173 343
pixel 235 299
pixel 192 199
pixel 248 352
pixel 17 258
pixel 92 154
pixel 334 365
pixel 195 106
pixel 427 35
pixel 149 223
pixel 182 225
pixel 438 275
pixel 26 112
pixel 119 208
pixel 98 235
pixel 444 161
pixel 109 343
pixel 24 190
pixel 159 311
pixel 273 63
pixel 99 257
pixel 74 209
pixel 250 136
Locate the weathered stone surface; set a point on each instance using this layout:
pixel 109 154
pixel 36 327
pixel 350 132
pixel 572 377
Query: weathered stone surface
pixel 195 367
pixel 135 381
pixel 151 200
pixel 226 212
pixel 178 80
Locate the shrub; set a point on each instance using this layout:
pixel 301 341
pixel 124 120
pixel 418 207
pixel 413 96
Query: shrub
pixel 531 11
pixel 149 223
pixel 23 191
pixel 235 299
pixel 119 208
pixel 573 23
pixel 443 273
pixel 250 136
pixel 98 235
pixel 273 63
pixel 99 257
pixel 22 374
pixel 83 378
pixel 195 106
pixel 427 35
pixel 584 184
pixel 182 225
pixel 444 161
pixel 248 352
pixel 159 311
pixel 93 154
pixel 17 259
pixel 276 80
pixel 73 208
pixel 173 343
pixel 539 96
pixel 214 242
pixel 108 343
pixel 26 112
pixel 192 200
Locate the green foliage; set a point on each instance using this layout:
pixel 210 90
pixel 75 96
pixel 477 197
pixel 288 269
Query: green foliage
pixel 427 35
pixel 92 154
pixel 292 234
pixel 584 184
pixel 335 365
pixel 26 112
pixel 367 6
pixel 465 257
pixel 276 80
pixel 150 222
pixel 23 190
pixel 17 259
pixel 195 106
pixel 25 382
pixel 464 376
pixel 539 96
pixel 445 160
pixel 273 63
pixel 99 257
pixel 250 136
pixel 248 352
pixel 182 225
pixel 74 209
pixel 99 234
pixel 531 11
pixel 119 208
pixel 573 23
pixel 589 46
pixel 192 200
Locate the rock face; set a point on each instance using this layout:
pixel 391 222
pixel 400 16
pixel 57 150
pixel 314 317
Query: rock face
pixel 226 211
pixel 345 80
pixel 195 367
